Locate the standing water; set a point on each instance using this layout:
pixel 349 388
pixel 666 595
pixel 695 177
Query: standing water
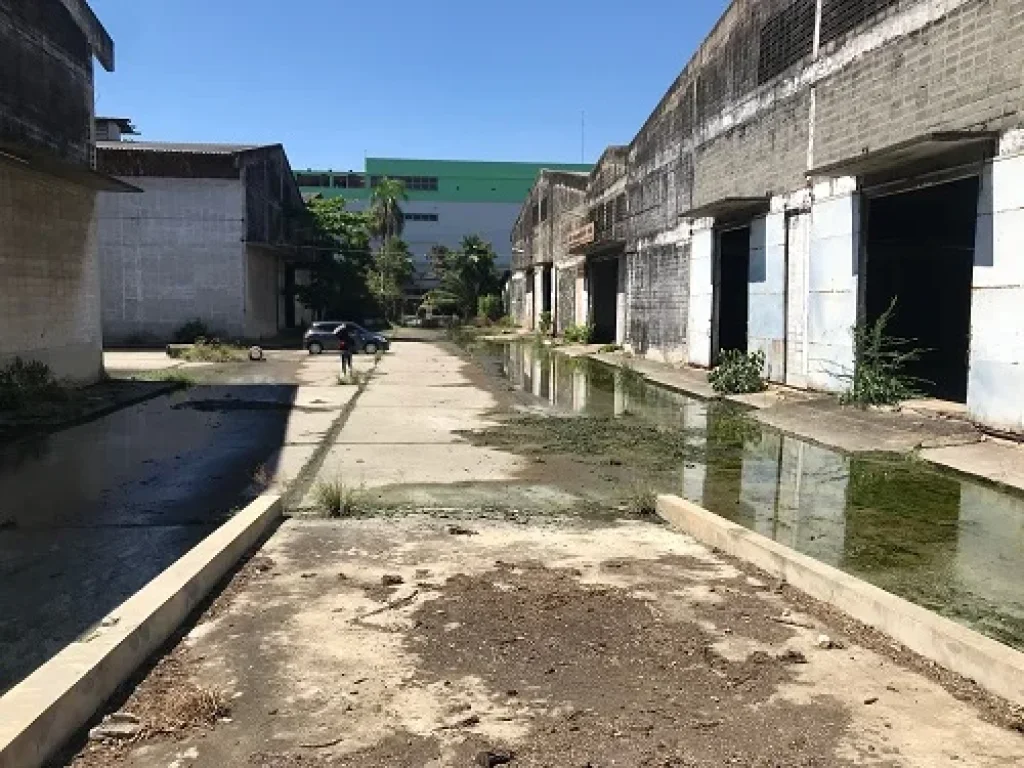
pixel 947 543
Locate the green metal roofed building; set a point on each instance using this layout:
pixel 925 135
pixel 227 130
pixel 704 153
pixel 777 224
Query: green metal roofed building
pixel 448 199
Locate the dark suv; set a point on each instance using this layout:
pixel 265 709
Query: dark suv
pixel 320 337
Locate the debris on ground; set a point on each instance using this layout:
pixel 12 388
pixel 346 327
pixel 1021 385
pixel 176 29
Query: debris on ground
pixel 459 530
pixel 391 580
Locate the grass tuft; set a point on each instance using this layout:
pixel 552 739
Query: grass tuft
pixel 334 499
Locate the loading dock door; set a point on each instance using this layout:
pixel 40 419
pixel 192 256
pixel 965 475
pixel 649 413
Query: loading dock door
pixel 920 252
pixel 731 275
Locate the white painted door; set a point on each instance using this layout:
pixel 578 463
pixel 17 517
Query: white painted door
pixel 797 265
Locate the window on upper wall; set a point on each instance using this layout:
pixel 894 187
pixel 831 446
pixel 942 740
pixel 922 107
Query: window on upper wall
pixel 350 181
pixel 840 16
pixel 313 179
pixel 786 37
pixel 421 183
pixel 544 209
pixel 421 217
pixel 535 214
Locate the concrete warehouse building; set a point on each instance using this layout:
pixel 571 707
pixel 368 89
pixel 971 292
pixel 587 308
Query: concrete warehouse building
pixel 448 199
pixel 215 236
pixel 815 161
pixel 49 270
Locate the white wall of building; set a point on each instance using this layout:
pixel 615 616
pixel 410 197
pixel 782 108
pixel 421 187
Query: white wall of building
pixel 767 307
pixel 702 295
pixel 49 270
pixel 173 254
pixel 995 392
pixel 832 288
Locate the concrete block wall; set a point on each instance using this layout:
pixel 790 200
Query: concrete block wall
pixel 938 65
pixel 658 297
pixel 49 270
pixel 832 286
pixel 172 254
pixel 565 296
pixel 767 306
pixel 995 394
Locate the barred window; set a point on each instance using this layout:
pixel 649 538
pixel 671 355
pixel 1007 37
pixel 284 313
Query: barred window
pixel 786 37
pixel 313 179
pixel 421 217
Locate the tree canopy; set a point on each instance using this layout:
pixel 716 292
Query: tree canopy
pixel 464 275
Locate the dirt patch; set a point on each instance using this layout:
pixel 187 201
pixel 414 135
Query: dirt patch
pixel 620 683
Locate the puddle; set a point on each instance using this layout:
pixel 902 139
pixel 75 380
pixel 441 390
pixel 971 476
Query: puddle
pixel 946 543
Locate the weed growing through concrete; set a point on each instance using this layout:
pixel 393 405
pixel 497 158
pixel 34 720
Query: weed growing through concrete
pixel 578 334
pixel 173 376
pixel 609 348
pixel 879 360
pixel 355 378
pixel 739 373
pixel 642 502
pixel 335 499
pixel 213 351
pixel 26 384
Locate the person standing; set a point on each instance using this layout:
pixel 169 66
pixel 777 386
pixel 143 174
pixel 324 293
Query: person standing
pixel 346 344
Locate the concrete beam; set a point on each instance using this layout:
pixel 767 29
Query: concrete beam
pixel 99 40
pixel 991 664
pixel 42 712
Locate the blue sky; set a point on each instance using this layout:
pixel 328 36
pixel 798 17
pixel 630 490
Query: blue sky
pixel 335 80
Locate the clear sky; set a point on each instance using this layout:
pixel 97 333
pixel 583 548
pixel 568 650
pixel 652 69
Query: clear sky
pixel 336 80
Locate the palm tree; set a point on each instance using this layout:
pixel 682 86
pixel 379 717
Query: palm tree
pixel 387 220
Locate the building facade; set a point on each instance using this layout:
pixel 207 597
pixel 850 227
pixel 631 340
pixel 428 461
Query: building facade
pixel 820 161
pixel 49 270
pixel 214 236
pixel 448 199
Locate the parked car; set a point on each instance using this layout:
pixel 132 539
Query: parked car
pixel 320 337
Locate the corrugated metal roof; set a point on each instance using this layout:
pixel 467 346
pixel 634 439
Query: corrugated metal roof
pixel 180 148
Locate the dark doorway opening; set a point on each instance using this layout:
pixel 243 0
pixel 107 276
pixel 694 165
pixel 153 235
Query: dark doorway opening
pixel 604 289
pixel 545 305
pixel 732 292
pixel 920 252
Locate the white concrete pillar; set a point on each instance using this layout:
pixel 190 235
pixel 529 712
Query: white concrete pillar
pixel 701 303
pixel 620 302
pixel 582 296
pixel 797 260
pixel 832 284
pixel 538 295
pixel 995 388
pixel 766 314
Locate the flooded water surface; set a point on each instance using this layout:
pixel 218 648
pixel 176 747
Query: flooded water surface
pixel 944 542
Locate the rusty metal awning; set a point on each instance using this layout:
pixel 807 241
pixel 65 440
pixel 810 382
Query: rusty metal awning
pixel 948 147
pixel 80 175
pixel 730 208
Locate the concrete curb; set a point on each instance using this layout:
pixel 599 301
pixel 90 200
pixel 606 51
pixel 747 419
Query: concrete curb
pixel 991 664
pixel 42 712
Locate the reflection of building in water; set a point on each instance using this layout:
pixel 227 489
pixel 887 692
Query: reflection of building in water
pixel 987 564
pixel 812 500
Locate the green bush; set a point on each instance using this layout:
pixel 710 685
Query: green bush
pixel 24 383
pixel 579 334
pixel 879 359
pixel 191 332
pixel 489 306
pixel 544 324
pixel 739 373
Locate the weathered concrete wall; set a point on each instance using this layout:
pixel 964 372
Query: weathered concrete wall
pixel 565 297
pixel 996 383
pixel 767 308
pixel 173 254
pixel 46 93
pixel 262 291
pixel 658 293
pixel 937 65
pixel 49 273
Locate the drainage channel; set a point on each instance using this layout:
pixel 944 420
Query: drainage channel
pixel 944 542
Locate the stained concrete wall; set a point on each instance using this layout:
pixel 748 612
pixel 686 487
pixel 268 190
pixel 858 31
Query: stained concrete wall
pixel 49 273
pixel 263 285
pixel 995 394
pixel 173 254
pixel 657 299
